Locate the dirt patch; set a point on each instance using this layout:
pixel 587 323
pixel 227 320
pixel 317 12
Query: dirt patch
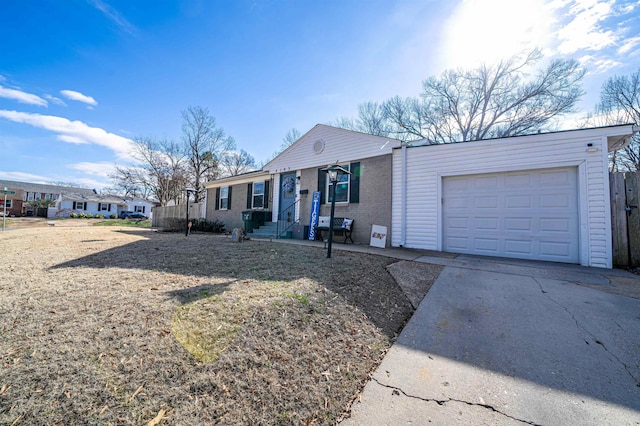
pixel 415 278
pixel 107 326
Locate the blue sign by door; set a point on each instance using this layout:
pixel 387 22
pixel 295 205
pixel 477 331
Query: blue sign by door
pixel 315 211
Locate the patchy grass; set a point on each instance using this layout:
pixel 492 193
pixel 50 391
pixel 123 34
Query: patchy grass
pixel 106 326
pixel 142 223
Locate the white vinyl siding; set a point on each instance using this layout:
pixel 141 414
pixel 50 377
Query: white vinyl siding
pixel 427 166
pixel 337 146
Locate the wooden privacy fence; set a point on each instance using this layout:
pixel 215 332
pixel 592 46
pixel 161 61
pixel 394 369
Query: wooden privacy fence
pixel 625 218
pixel 161 214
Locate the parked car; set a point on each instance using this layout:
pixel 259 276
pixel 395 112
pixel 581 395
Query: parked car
pixel 131 215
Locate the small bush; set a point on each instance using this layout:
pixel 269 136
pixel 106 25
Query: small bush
pixel 113 216
pixel 82 215
pixel 198 225
pixel 74 215
pixel 100 216
pixel 88 216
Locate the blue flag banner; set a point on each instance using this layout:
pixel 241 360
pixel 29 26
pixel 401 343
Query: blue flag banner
pixel 315 211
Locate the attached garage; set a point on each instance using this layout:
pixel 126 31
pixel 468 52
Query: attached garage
pixel 530 214
pixel 540 197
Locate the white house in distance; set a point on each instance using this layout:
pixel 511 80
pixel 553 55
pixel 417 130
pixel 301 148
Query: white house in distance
pixel 95 204
pixel 541 197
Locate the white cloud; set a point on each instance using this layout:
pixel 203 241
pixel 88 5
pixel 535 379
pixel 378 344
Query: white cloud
pixel 583 32
pixel 22 97
pixel 77 96
pixel 102 168
pixel 629 44
pixel 55 100
pixel 598 65
pixel 73 131
pixel 114 16
pixel 24 177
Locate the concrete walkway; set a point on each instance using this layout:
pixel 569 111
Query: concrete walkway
pixel 501 341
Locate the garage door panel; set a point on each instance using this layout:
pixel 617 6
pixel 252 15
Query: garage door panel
pixel 531 214
pixel 518 247
pixel 518 201
pixel 518 224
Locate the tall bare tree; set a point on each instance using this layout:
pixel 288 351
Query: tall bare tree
pixel 490 101
pixel 160 172
pixel 205 144
pixel 620 104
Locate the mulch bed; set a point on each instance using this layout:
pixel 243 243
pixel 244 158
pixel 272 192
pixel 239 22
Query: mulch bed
pixel 129 326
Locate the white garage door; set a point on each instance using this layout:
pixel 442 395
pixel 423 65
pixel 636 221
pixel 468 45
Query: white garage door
pixel 530 214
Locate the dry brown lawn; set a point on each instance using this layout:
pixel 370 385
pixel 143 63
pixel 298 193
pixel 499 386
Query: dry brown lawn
pixel 130 326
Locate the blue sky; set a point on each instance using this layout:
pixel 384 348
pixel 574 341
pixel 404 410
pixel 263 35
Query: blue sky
pixel 80 78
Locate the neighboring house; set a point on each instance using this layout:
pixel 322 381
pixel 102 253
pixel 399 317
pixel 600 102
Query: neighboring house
pixel 285 185
pixel 140 205
pixel 92 204
pixel 542 197
pixel 26 191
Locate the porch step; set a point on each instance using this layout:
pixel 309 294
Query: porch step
pixel 268 230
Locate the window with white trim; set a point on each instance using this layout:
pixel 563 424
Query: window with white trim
pixel 47 196
pixel 24 196
pixel 258 195
pixel 30 196
pixel 54 197
pixel 8 204
pixel 38 195
pixel 103 207
pixel 138 209
pixel 79 205
pixel 342 188
pixel 224 198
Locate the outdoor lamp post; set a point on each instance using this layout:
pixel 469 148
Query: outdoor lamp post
pixel 335 174
pixel 188 190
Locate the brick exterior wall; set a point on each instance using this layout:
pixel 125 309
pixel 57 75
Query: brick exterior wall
pixel 374 207
pixel 232 217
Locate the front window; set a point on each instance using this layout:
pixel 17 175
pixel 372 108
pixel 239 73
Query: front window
pixel 8 204
pixel 79 205
pixel 342 188
pixel 47 196
pixel 104 207
pixel 224 198
pixel 24 196
pixel 54 197
pixel 138 209
pixel 258 195
pixel 38 195
pixel 30 196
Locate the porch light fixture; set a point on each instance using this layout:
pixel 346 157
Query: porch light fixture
pixel 335 173
pixel 188 190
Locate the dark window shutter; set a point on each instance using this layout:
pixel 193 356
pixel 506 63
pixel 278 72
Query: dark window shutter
pixel 217 199
pixel 99 205
pixel 85 205
pixel 109 208
pixel 322 184
pixel 74 206
pixel 143 208
pixel 229 198
pixel 266 194
pixel 249 194
pixel 354 184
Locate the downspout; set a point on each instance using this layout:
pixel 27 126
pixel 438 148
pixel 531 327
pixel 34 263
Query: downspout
pixel 403 196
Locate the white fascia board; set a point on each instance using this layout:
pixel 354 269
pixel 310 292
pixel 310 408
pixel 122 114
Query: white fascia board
pixel 236 180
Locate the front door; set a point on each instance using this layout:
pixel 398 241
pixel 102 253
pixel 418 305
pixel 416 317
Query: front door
pixel 286 210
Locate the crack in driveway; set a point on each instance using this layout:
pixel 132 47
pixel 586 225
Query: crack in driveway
pixel 444 402
pixel 595 339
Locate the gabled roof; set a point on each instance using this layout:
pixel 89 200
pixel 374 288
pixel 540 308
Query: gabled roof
pixel 324 145
pixel 43 188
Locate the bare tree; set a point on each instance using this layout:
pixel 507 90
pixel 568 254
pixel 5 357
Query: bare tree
pixel 620 104
pixel 292 136
pixel 499 100
pixel 205 144
pixel 160 172
pixel 235 163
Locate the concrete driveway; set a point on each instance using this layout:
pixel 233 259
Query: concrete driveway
pixel 507 342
